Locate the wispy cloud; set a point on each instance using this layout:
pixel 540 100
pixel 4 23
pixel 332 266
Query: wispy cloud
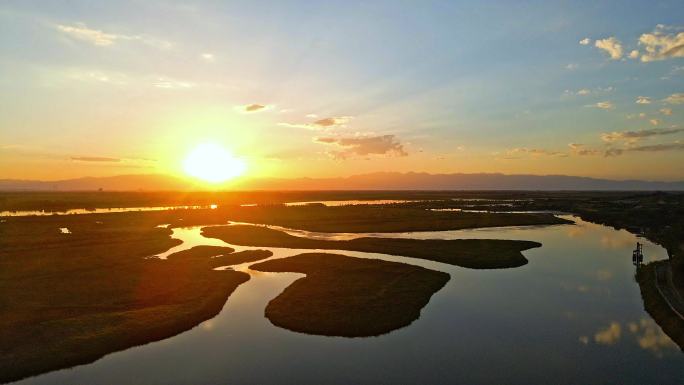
pixel 80 31
pixel 636 135
pixel 580 149
pixel 95 159
pixel 676 146
pixel 254 107
pixel 605 105
pixel 585 41
pixel 172 84
pixel 611 46
pixel 93 36
pixel 336 121
pixel 666 111
pixel 364 146
pixel 534 152
pixel 587 91
pixel 643 100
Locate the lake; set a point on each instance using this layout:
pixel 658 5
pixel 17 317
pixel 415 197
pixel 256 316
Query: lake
pixel 572 315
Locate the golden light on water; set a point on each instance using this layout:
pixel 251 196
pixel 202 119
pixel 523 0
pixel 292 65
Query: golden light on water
pixel 212 163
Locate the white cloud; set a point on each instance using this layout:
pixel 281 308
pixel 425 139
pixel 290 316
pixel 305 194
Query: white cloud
pixel 585 41
pixel 634 54
pixel 666 111
pixel 208 57
pixel 93 36
pixel 571 66
pixel 611 45
pixel 675 99
pixel 662 44
pixel 643 100
pixel 605 105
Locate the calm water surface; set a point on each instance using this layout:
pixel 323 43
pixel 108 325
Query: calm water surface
pixel 572 315
pixel 28 213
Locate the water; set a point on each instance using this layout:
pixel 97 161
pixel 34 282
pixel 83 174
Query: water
pixel 347 202
pixel 572 315
pixel 26 213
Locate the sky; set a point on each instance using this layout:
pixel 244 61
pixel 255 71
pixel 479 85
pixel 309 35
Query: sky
pixel 338 88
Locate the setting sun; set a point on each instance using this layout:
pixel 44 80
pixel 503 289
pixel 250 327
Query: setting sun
pixel 212 163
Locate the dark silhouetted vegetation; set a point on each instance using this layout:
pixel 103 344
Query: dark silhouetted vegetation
pixel 471 253
pixel 221 255
pixel 382 219
pixel 69 299
pixel 350 297
pixel 655 304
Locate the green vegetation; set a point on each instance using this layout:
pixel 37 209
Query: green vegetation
pixel 471 253
pixel 69 299
pixel 350 297
pixel 656 306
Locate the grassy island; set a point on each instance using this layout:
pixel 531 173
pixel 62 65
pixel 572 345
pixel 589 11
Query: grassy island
pixel 471 253
pixel 350 297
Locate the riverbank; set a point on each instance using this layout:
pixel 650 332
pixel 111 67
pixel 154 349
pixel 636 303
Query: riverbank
pixel 656 303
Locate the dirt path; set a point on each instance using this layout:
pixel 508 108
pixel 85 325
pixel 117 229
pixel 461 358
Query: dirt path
pixel 667 289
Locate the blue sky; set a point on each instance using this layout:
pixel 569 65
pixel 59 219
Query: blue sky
pixel 346 88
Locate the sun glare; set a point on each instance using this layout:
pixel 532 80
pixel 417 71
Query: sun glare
pixel 212 163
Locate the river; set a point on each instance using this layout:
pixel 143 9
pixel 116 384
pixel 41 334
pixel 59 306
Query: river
pixel 572 315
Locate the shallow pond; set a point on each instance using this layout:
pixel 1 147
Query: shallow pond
pixel 572 315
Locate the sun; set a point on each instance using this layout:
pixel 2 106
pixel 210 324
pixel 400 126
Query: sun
pixel 212 163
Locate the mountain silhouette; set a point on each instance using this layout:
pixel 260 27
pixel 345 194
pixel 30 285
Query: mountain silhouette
pixel 373 181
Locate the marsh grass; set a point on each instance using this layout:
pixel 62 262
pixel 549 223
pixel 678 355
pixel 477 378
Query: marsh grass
pixel 471 253
pixel 69 299
pixel 350 297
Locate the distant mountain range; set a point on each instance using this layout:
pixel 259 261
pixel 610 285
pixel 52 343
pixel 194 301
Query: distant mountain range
pixel 374 181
